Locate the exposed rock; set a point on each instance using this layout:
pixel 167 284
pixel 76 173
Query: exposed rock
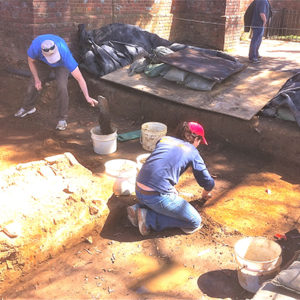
pixel 42 202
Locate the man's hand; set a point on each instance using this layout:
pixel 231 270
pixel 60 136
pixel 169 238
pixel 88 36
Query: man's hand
pixel 206 195
pixel 264 19
pixel 92 101
pixel 78 76
pixel 34 72
pixel 38 85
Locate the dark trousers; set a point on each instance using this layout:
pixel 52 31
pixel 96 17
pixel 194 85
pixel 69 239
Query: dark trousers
pixel 257 36
pixel 62 96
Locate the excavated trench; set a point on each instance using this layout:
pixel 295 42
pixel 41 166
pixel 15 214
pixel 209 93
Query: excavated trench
pixel 257 193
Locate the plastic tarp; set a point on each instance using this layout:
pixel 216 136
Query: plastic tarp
pixel 114 46
pixel 209 64
pixel 286 100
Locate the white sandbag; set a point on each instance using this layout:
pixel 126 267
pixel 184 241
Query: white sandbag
pixel 175 74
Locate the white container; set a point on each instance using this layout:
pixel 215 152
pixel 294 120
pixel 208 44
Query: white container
pixel 103 143
pixel 151 132
pixel 258 259
pixel 124 171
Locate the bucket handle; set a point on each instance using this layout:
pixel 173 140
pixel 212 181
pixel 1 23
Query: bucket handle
pixel 245 267
pixel 141 141
pixel 254 271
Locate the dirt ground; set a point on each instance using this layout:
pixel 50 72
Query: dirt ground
pixel 118 263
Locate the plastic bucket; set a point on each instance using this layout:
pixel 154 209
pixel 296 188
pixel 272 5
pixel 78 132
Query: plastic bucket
pixel 258 259
pixel 124 171
pixel 103 144
pixel 151 132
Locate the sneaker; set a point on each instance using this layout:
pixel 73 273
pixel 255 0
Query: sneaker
pixel 188 231
pixel 132 214
pixel 61 125
pixel 254 61
pixel 22 112
pixel 142 213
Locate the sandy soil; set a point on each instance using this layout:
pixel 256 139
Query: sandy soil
pixel 117 263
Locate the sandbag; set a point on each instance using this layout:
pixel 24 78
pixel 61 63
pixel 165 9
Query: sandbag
pixel 154 70
pixel 289 278
pixel 175 74
pixel 138 66
pixel 198 83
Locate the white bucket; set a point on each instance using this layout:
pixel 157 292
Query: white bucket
pixel 124 171
pixel 103 143
pixel 258 259
pixel 151 132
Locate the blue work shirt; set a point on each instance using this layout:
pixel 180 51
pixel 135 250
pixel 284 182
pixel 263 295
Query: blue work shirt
pixel 170 158
pixel 261 6
pixel 67 60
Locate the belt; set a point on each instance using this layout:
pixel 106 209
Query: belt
pixel 150 193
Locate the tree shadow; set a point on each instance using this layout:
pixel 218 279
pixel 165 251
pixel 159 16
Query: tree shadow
pixel 222 284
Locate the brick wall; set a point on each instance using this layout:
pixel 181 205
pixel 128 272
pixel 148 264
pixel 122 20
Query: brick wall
pixel 22 20
pixel 200 23
pixel 288 4
pixel 15 26
pixel 213 24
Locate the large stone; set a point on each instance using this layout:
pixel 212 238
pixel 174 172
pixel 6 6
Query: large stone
pixel 49 205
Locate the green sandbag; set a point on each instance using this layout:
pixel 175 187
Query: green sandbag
pixel 285 114
pixel 132 135
pixel 154 70
pixel 199 83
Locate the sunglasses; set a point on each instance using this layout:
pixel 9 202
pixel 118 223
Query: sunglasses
pixel 49 49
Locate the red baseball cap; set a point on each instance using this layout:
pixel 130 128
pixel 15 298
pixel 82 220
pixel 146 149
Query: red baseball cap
pixel 197 129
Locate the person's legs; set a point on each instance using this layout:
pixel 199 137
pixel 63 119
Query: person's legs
pixel 259 40
pixel 62 97
pixel 257 35
pixel 169 211
pixel 31 95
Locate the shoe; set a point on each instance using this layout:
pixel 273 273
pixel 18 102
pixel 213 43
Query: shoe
pixel 142 213
pixel 61 125
pixel 254 61
pixel 187 231
pixel 22 112
pixel 132 214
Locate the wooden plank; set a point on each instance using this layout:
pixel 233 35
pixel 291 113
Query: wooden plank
pixel 242 95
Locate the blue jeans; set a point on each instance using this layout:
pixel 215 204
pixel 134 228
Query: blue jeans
pixel 257 36
pixel 168 211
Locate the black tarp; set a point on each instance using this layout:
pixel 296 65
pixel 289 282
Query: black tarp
pixel 289 97
pixel 114 46
pixel 209 64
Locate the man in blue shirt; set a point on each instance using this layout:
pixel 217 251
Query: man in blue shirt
pixel 160 206
pixel 260 17
pixel 50 52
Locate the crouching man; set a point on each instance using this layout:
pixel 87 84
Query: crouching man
pixel 50 52
pixel 160 206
